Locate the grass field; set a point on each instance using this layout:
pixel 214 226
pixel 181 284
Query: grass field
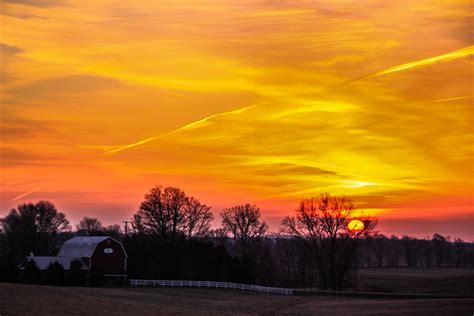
pixel 21 299
pixel 417 280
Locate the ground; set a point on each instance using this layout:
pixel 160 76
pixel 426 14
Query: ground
pixel 417 280
pixel 22 299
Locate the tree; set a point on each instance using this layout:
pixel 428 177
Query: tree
pixel 33 228
pixel 243 223
pixel 75 275
pixel 31 273
pixel 441 248
pixel 198 218
pixel 322 224
pixel 113 231
pixel 55 274
pixel 169 212
pixel 93 226
pixel 379 246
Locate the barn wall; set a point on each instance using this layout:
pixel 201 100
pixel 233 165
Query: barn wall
pixel 109 263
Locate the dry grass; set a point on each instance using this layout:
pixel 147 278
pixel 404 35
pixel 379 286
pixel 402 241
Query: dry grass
pixel 417 280
pixel 20 299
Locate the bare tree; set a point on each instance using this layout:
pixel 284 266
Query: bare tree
pixel 198 218
pixel 167 212
pixel 322 223
pixel 379 245
pixel 91 225
pixel 441 245
pixel 243 223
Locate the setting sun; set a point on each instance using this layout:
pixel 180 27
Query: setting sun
pixel 355 225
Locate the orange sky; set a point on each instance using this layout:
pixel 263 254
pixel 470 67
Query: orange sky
pixel 241 101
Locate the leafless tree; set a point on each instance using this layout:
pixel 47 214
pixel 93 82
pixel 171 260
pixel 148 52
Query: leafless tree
pixel 243 223
pixel 167 212
pixel 198 218
pixel 322 223
pixel 91 225
pixel 379 244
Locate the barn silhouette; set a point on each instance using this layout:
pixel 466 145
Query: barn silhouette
pixel 100 253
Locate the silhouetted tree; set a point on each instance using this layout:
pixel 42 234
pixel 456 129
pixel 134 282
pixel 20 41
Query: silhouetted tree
pixel 8 266
pixel 379 244
pixel 75 275
pixel 409 250
pixel 198 218
pixel 55 274
pixel 161 213
pixel 114 231
pixel 395 251
pixel 93 226
pixel 322 223
pixel 31 273
pixel 168 212
pixel 441 245
pixel 33 228
pixel 243 223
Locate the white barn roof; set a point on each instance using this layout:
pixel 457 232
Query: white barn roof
pixel 81 246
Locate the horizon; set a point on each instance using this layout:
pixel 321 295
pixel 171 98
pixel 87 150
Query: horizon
pixel 387 228
pixel 251 102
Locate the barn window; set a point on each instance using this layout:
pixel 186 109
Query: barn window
pixel 108 241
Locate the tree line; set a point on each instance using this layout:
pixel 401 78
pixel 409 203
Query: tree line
pixel 172 238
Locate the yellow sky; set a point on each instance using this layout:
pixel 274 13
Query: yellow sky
pixel 240 101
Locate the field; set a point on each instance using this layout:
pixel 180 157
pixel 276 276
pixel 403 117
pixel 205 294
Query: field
pixel 21 299
pixel 417 280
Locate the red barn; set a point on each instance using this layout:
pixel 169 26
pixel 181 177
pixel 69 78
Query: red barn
pixel 101 253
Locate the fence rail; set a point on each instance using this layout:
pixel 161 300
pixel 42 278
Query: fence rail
pixel 211 284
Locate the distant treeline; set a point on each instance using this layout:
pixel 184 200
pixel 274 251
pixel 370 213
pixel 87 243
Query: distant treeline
pixel 171 238
pixel 440 251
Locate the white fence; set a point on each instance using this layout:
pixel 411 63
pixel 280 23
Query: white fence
pixel 211 284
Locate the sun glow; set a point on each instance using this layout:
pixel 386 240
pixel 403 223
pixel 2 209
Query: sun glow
pixel 355 225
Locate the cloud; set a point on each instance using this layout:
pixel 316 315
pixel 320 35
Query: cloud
pixel 457 54
pixel 189 126
pixel 33 190
pixel 291 169
pixel 7 54
pixel 60 85
pixel 10 157
pixel 13 128
pixel 37 3
pixel 9 50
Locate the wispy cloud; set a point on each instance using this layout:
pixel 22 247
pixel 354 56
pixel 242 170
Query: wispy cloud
pixel 35 189
pixel 460 53
pixel 189 126
pixel 457 54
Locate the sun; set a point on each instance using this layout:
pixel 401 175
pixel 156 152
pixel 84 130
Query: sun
pixel 355 225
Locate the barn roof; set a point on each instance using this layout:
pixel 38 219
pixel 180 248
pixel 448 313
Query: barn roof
pixel 81 246
pixel 43 262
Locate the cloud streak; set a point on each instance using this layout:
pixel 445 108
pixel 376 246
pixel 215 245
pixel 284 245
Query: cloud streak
pixel 457 54
pixel 189 126
pixel 25 194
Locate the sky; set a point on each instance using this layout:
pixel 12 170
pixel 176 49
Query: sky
pixel 250 101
